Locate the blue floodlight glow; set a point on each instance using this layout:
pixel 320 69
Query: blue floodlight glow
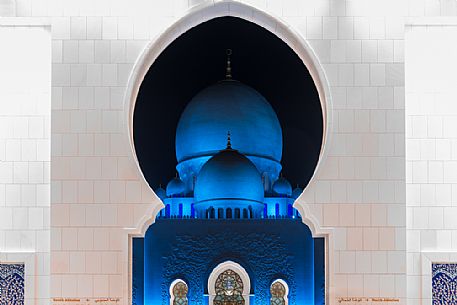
pixel 228 204
pixel 267 248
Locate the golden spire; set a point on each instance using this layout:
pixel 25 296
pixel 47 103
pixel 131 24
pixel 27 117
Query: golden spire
pixel 229 143
pixel 228 71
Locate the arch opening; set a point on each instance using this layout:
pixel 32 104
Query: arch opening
pixel 305 55
pixel 291 126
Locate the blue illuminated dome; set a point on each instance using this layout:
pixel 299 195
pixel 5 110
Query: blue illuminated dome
pixel 160 192
pixel 229 179
pixel 282 187
pixel 296 192
pixel 176 187
pixel 228 106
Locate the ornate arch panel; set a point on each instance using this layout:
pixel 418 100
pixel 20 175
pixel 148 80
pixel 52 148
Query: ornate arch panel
pixel 229 283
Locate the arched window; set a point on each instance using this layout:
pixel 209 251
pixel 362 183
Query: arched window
pixel 229 284
pixel 210 213
pixel 180 210
pixel 228 213
pixel 229 289
pixel 178 292
pixel 237 213
pixel 277 210
pixel 220 213
pixel 279 291
pixel 245 213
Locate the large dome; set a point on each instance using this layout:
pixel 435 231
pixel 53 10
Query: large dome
pixel 229 178
pixel 228 106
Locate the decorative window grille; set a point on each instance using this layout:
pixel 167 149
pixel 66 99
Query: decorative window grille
pixel 444 284
pixel 229 289
pixel 278 293
pixel 179 293
pixel 11 284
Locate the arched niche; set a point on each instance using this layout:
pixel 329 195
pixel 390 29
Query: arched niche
pixel 201 14
pixel 220 269
pixel 193 17
pixel 182 288
pixel 284 286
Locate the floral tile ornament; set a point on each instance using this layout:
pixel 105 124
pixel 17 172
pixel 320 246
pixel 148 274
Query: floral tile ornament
pixel 444 284
pixel 11 284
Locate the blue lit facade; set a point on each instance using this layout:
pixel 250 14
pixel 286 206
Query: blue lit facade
pixel 228 202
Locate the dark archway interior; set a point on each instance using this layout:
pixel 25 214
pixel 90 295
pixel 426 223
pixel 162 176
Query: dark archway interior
pixel 196 60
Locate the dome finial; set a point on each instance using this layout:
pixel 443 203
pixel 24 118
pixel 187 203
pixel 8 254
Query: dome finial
pixel 228 71
pixel 229 143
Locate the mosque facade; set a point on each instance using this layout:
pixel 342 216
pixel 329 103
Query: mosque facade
pixel 229 147
pixel 78 218
pixel 227 207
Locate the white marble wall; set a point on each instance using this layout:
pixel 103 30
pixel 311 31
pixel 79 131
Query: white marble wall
pixel 98 195
pixel 25 132
pixel 431 150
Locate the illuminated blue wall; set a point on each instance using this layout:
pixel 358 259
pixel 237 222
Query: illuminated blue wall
pixel 319 271
pixel 267 248
pixel 138 271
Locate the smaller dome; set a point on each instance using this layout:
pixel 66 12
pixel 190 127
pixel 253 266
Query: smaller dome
pixel 176 187
pixel 296 192
pixel 229 176
pixel 160 192
pixel 282 187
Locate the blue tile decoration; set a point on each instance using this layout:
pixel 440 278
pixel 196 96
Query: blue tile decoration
pixel 444 284
pixel 11 284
